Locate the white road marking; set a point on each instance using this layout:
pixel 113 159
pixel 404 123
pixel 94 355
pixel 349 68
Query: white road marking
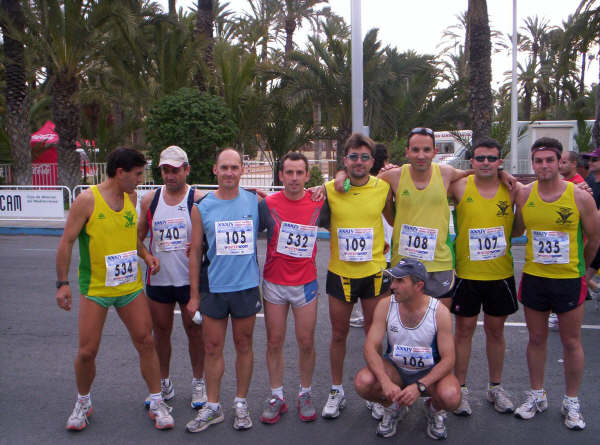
pixel 522 325
pixel 177 311
pixel 43 250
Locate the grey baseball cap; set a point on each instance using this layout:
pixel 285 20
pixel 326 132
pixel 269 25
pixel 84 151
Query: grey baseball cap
pixel 408 266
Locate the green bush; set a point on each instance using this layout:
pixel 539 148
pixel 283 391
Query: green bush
pixel 197 122
pixel 316 178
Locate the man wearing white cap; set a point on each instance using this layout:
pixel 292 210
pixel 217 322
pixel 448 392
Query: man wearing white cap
pixel 166 212
pixel 419 355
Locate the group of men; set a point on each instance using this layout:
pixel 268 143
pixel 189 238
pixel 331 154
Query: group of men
pixel 203 255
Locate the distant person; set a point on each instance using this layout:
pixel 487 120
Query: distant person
pixel 568 167
pixel 104 220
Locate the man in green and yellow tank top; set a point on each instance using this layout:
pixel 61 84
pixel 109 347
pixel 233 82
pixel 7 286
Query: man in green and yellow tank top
pixel 484 268
pixel 105 221
pixel 555 215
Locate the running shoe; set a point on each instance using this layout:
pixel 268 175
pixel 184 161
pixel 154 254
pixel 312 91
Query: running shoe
pixel 501 402
pixel 205 418
pixel 166 389
pixel 553 321
pixel 464 409
pixel 357 322
pixel 241 417
pixel 571 410
pixel 335 403
pixel 79 417
pixel 161 414
pixel 198 393
pixel 377 410
pixel 532 405
pixel 273 409
pixel 389 421
pixel 436 427
pixel 306 409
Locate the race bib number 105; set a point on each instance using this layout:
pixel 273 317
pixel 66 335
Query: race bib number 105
pixel 234 237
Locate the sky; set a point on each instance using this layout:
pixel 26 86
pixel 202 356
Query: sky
pixel 418 25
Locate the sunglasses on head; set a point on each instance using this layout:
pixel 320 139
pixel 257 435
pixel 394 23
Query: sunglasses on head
pixel 355 157
pixel 490 158
pixel 421 130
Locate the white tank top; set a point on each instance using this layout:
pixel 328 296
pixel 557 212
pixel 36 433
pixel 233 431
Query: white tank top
pixel 171 231
pixel 412 349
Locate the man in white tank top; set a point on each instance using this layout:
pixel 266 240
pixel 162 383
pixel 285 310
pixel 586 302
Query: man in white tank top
pixel 166 213
pixel 419 355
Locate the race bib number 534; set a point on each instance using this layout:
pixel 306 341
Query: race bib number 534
pixel 121 268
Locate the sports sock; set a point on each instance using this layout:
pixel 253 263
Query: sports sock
pixel 278 392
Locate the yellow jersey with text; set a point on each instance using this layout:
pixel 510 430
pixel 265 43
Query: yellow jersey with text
pixel 108 262
pixel 554 236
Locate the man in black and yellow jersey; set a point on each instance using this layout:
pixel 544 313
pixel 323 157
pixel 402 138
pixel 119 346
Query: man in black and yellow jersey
pixel 356 260
pixel 556 216
pixel 105 221
pixel 484 268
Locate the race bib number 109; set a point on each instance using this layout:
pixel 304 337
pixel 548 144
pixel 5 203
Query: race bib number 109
pixel 355 244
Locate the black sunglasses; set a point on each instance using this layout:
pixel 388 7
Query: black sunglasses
pixel 421 130
pixel 490 158
pixel 355 156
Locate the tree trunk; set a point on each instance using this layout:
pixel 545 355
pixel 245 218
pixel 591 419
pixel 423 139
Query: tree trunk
pixel 480 70
pixel 290 27
pixel 17 97
pixel 204 33
pixel 65 112
pixel 582 78
pixel 527 103
pixel 596 127
pixel 172 8
pixel 316 109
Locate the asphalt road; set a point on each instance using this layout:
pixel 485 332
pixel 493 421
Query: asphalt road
pixel 38 343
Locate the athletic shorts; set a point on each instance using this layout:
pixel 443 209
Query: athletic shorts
pixel 408 378
pixel 558 295
pixel 117 302
pixel 238 304
pixel 498 297
pixel 169 294
pixel 350 289
pixel 596 261
pixel 297 296
pixel 439 284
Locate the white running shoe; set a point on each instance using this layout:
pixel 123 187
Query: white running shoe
pixel 436 427
pixel 377 411
pixel 532 405
pixel 464 409
pixel 198 393
pixel 553 321
pixel 166 389
pixel 389 422
pixel 79 417
pixel 161 414
pixel 501 402
pixel 571 410
pixel 241 419
pixel 335 403
pixel 205 418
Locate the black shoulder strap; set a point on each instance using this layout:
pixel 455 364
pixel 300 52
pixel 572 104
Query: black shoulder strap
pixel 190 200
pixel 154 202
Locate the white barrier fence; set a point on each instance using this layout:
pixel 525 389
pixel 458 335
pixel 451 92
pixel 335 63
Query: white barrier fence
pixel 33 203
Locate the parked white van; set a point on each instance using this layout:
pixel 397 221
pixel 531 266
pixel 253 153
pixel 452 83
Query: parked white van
pixel 452 147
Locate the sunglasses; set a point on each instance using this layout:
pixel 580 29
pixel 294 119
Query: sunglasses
pixel 490 158
pixel 355 157
pixel 421 130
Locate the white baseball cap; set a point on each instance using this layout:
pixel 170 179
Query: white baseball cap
pixel 173 156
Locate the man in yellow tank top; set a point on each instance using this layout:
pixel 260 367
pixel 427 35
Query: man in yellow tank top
pixel 105 221
pixel 555 215
pixel 484 268
pixel 356 259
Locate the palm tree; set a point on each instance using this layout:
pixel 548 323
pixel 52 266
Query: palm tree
pixel 294 12
pixel 16 91
pixel 204 34
pixel 480 69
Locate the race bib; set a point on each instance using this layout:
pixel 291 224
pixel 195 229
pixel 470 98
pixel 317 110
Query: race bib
pixel 296 240
pixel 355 244
pixel 413 358
pixel 235 237
pixel 417 242
pixel 487 243
pixel 171 234
pixel 550 247
pixel 121 268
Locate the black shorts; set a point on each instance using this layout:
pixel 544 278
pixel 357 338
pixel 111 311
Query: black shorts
pixel 169 294
pixel 238 304
pixel 351 289
pixel 498 297
pixel 556 294
pixel 596 261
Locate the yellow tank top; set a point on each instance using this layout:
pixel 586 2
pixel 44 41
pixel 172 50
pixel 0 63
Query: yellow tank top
pixel 108 265
pixel 483 233
pixel 554 236
pixel 357 238
pixel 421 222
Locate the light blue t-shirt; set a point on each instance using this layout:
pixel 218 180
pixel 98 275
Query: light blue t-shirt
pixel 231 230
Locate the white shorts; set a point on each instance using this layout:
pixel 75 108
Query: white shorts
pixel 297 296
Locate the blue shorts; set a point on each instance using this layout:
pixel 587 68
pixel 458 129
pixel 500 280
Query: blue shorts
pixel 408 378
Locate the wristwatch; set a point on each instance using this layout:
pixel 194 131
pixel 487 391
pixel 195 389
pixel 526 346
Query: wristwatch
pixel 422 387
pixel 60 284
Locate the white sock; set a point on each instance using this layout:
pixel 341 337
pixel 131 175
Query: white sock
pixel 155 399
pixel 165 382
pixel 304 390
pixel 195 380
pixel 214 406
pixel 240 399
pixel 571 399
pixel 539 393
pixel 340 388
pixel 278 392
pixel 87 398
